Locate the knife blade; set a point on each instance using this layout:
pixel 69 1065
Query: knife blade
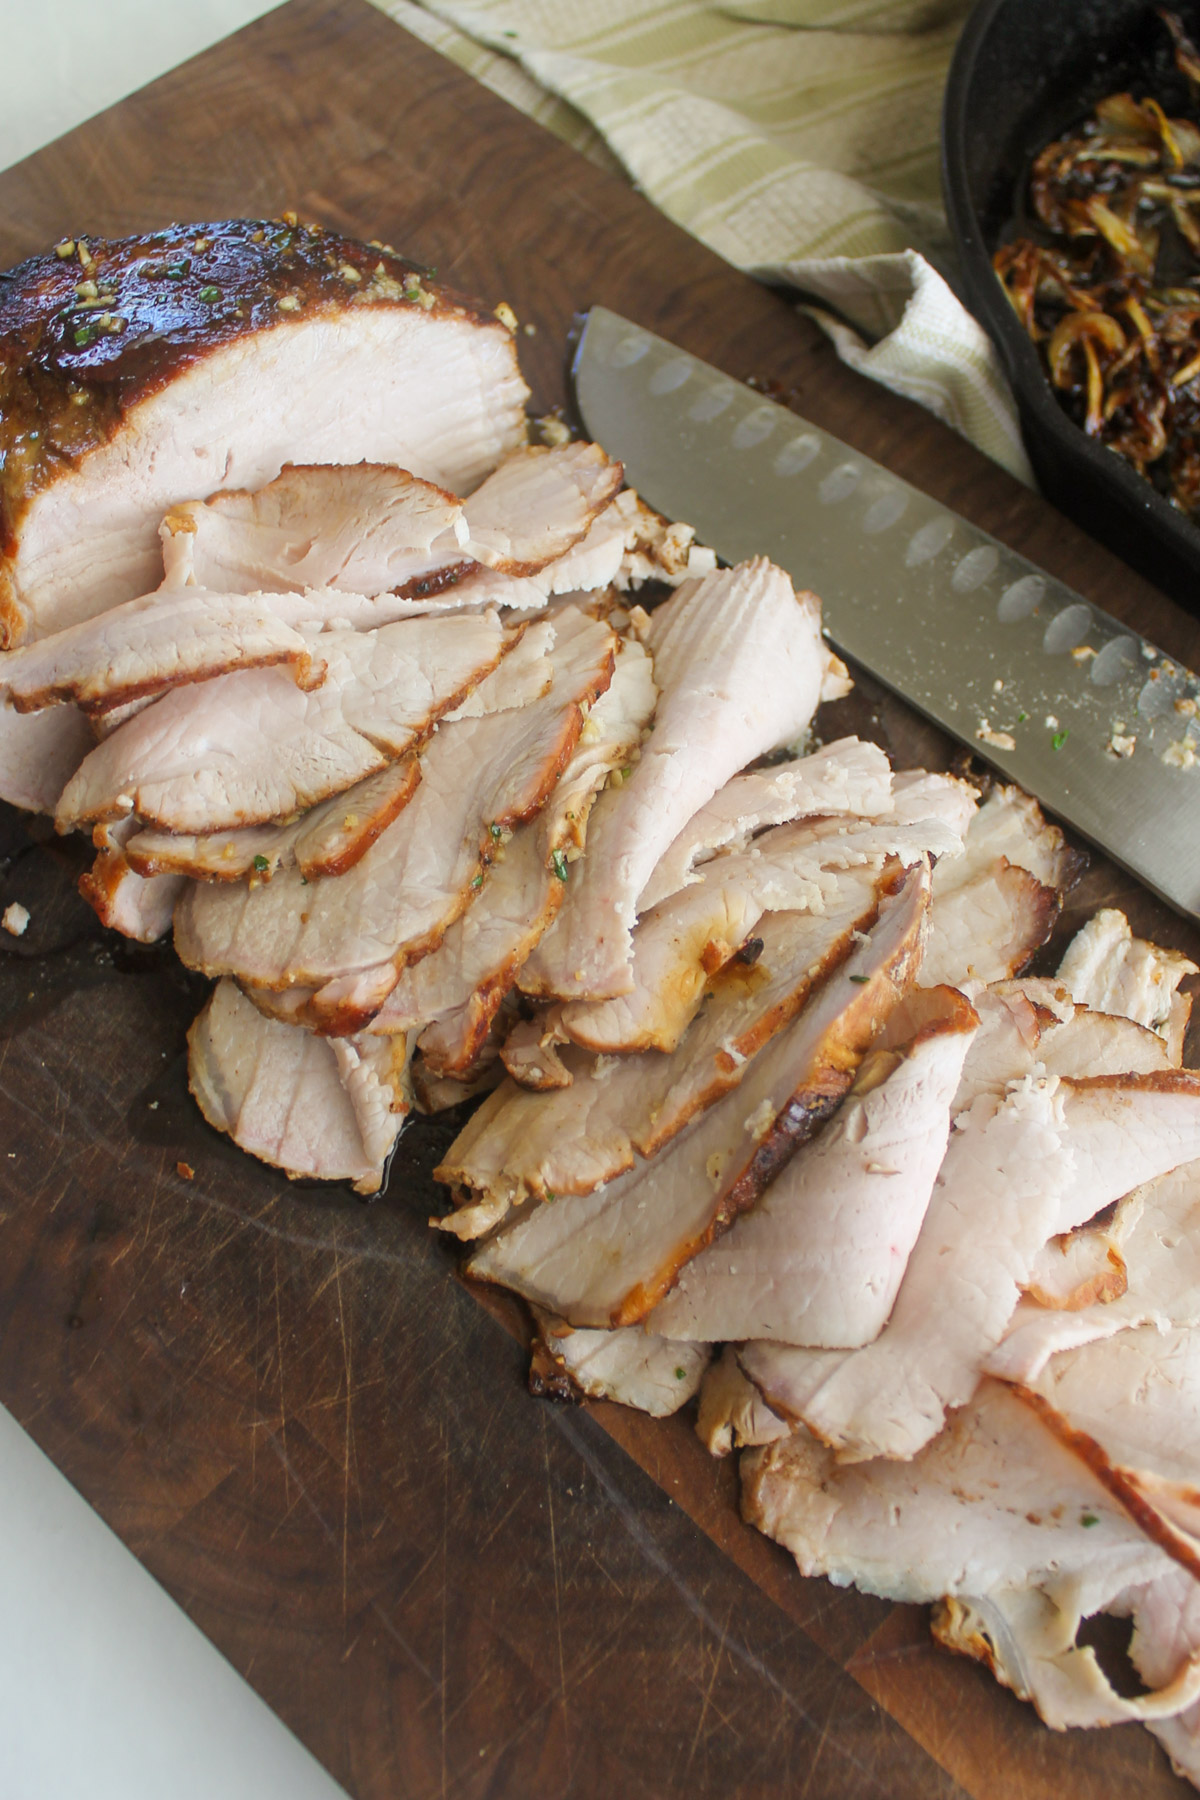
pixel 1059 696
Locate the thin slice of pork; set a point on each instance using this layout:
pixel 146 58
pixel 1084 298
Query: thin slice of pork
pixel 1019 1032
pixel 151 644
pixel 1129 1405
pixel 1027 1638
pixel 987 928
pixel 632 1367
pixel 294 1100
pixel 138 906
pixel 251 747
pixel 1107 968
pixel 739 661
pixel 1019 1170
pixel 362 527
pixel 538 505
pixel 819 1258
pixel 846 777
pixel 317 349
pixel 455 992
pixel 353 934
pixel 605 1259
pixel 998 902
pixel 327 840
pixel 367 529
pixel 678 946
pixel 1157 1229
pixel 995 1502
pixel 39 753
pixel 732 1413
pixel 611 1110
pixel 332 836
pixel 1018 1536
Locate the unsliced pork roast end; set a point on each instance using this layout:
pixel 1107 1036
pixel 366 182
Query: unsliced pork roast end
pixel 120 361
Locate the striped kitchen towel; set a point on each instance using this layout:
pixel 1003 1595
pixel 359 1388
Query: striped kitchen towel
pixel 797 138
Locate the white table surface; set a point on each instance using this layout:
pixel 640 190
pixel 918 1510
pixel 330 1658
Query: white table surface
pixel 107 1690
pixel 61 61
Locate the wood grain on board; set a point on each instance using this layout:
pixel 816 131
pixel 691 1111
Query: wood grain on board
pixel 285 1401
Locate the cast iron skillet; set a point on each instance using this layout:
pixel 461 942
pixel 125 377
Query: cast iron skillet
pixel 1026 71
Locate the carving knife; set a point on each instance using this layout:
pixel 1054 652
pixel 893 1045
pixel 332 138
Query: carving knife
pixel 1058 695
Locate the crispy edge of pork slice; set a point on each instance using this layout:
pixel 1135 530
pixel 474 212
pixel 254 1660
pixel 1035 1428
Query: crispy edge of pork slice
pixel 574 1136
pixel 632 1367
pixel 138 906
pixel 721 1164
pixel 514 783
pixel 848 776
pixel 739 661
pixel 987 928
pixel 1136 1496
pixel 819 1257
pixel 732 1414
pixel 151 644
pixel 320 841
pixel 583 472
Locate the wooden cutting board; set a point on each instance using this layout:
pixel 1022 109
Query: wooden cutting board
pixel 284 1400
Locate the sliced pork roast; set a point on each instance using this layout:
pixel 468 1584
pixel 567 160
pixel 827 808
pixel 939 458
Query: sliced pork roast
pixel 252 746
pixel 739 663
pixel 523 1144
pixel 820 1256
pixel 141 372
pixel 1019 1170
pixel 1151 1253
pixel 1107 968
pixel 846 777
pixel 367 529
pixel 453 995
pixel 606 1258
pixel 1004 1521
pixel 479 776
pixel 632 1366
pixel 998 902
pixel 154 643
pixel 299 1101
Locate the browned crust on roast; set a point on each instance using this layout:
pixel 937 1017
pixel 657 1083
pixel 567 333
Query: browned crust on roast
pixel 83 692
pixel 1177 1544
pixel 951 1627
pixel 71 368
pixel 1107 1285
pixel 1038 910
pixel 339 1019
pixel 488 997
pixel 1154 1081
pixel 727 1069
pixel 549 1378
pixel 100 884
pixel 371 828
pixel 820 1093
